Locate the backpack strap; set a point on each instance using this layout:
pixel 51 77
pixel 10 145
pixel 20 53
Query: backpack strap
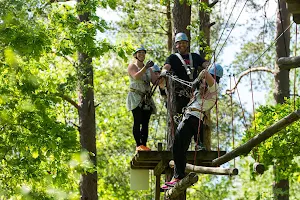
pixel 189 71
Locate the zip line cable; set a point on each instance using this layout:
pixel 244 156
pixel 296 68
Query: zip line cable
pixel 271 45
pixel 231 29
pixel 295 71
pixel 226 25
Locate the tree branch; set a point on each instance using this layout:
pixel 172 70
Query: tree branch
pixel 68 99
pixel 244 149
pixel 244 73
pixel 288 62
pixel 208 170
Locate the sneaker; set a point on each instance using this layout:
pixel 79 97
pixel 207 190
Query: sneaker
pixel 145 148
pixel 199 147
pixel 173 182
pixel 139 148
pixel 165 187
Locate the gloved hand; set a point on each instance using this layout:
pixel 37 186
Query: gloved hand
pixel 149 64
pixel 163 73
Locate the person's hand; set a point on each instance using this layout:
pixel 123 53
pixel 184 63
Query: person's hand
pixel 202 74
pixel 205 65
pixel 149 64
pixel 163 73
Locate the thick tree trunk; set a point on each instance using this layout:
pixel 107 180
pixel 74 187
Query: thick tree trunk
pixel 204 27
pixel 88 184
pixel 282 83
pixel 281 187
pixel 181 17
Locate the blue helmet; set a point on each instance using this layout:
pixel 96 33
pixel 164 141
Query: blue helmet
pixel 181 37
pixel 141 48
pixel 216 69
pixel 155 68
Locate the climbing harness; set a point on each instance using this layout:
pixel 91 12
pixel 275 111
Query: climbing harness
pixel 189 70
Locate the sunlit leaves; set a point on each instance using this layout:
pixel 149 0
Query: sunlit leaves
pixel 282 148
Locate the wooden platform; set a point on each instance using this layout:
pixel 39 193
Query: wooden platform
pixel 150 159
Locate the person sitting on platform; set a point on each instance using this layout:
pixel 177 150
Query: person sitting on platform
pixel 204 98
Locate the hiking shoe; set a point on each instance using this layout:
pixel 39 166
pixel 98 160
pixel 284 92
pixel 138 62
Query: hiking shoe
pixel 199 147
pixel 142 148
pixel 173 182
pixel 139 148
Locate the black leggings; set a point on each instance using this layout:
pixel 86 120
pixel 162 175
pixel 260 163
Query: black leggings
pixel 184 132
pixel 141 117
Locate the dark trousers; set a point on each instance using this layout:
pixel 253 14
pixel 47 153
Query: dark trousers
pixel 181 102
pixel 140 128
pixel 184 132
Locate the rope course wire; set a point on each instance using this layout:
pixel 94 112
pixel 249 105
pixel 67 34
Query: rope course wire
pixel 232 118
pixel 226 25
pixel 259 57
pixel 231 30
pixel 295 70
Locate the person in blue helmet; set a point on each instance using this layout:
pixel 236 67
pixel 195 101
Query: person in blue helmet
pixel 185 66
pixel 156 69
pixel 139 100
pixel 204 98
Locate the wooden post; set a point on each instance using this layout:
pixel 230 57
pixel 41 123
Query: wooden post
pixel 157 173
pixel 157 187
pixel 248 146
pixel 208 170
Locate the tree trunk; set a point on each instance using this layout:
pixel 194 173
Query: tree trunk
pixel 88 184
pixel 282 86
pixel 204 27
pixel 181 18
pixel 169 27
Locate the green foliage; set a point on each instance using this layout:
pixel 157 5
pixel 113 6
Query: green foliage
pixel 283 148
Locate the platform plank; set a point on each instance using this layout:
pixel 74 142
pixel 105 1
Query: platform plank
pixel 150 159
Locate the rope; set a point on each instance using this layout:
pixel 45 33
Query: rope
pixel 253 107
pixel 199 125
pixel 271 44
pixel 232 29
pixel 279 9
pixel 295 71
pixel 226 24
pixel 232 131
pixel 243 112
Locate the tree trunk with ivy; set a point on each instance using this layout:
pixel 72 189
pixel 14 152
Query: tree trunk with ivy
pixel 282 90
pixel 88 183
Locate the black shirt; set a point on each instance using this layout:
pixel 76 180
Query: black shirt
pixel 178 68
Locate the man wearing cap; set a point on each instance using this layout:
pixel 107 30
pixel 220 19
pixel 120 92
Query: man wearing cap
pixel 185 66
